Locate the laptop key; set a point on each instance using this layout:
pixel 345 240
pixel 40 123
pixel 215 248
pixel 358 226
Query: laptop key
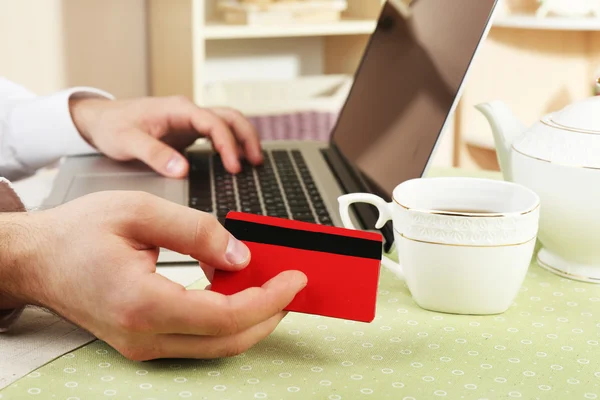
pixel 271 196
pixel 304 216
pixel 322 213
pixel 295 197
pixel 293 187
pixel 223 196
pixel 249 201
pixel 325 221
pixel 298 203
pixel 231 204
pixel 278 208
pixel 308 219
pixel 301 211
pixel 269 202
pixel 318 206
pixel 248 195
pixel 317 201
pixel 246 189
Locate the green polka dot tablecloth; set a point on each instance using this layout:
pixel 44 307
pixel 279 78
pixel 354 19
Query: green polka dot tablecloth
pixel 546 346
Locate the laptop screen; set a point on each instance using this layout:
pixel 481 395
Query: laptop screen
pixel 406 86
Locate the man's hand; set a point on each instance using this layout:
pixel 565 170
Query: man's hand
pixel 153 129
pixel 93 261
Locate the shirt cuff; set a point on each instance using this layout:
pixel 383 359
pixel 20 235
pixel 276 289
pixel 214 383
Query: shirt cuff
pixel 46 132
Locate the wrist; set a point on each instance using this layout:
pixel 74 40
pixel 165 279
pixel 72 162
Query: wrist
pixel 18 261
pixel 84 111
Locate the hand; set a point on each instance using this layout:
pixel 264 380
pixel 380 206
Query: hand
pixel 93 261
pixel 151 129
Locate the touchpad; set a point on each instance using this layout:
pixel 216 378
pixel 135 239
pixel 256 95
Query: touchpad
pixel 170 189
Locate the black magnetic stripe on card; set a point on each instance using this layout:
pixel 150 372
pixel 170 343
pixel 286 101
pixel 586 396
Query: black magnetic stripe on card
pixel 304 240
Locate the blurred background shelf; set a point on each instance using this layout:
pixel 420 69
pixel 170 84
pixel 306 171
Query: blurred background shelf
pixel 215 30
pixel 192 48
pixel 535 65
pixel 526 21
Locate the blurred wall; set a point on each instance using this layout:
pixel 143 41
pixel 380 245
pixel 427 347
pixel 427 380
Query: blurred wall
pixel 48 45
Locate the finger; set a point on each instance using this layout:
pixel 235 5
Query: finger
pixel 152 221
pixel 244 131
pixel 182 114
pixel 208 347
pixel 209 271
pixel 156 154
pixel 210 313
pixel 224 142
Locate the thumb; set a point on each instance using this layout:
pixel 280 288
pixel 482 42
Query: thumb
pixel 156 154
pixel 151 220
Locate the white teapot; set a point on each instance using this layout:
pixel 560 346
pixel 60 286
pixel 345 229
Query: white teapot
pixel 559 158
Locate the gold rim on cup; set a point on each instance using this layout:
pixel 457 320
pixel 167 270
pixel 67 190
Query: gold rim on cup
pixel 465 245
pixel 466 214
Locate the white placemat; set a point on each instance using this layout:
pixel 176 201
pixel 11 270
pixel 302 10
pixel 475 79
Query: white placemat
pixel 36 338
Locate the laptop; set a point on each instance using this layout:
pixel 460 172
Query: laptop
pixel 403 93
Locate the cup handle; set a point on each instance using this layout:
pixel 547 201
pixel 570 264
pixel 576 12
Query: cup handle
pixel 385 214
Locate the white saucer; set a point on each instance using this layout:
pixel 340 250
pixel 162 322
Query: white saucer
pixel 568 269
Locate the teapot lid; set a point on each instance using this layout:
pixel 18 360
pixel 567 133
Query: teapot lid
pixel 581 116
pixel 568 137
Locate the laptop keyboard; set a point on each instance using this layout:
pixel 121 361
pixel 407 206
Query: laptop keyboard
pixel 282 187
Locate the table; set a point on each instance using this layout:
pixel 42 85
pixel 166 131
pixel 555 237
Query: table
pixel 545 346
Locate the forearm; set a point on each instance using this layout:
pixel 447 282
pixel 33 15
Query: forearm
pixel 12 296
pixel 17 259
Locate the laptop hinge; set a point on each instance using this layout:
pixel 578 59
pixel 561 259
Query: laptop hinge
pixel 352 181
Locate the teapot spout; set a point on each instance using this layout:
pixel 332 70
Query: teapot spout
pixel 505 128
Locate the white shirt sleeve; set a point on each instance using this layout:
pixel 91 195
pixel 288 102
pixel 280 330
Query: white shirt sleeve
pixel 36 131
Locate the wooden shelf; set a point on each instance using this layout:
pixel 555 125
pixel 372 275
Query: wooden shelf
pixel 220 31
pixel 548 23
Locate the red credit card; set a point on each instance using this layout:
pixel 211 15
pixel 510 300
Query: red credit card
pixel 342 265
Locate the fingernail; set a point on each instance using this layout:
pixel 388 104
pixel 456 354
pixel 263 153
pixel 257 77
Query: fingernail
pixel 304 281
pixel 297 279
pixel 237 252
pixel 175 165
pixel 235 161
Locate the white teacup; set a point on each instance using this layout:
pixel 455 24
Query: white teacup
pixel 464 244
